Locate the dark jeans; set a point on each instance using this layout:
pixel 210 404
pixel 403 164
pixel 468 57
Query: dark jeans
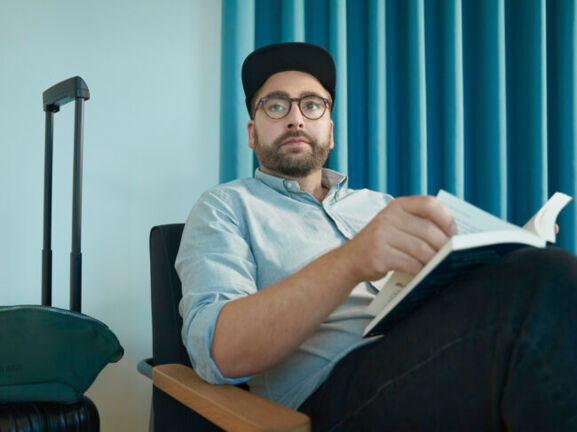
pixel 497 350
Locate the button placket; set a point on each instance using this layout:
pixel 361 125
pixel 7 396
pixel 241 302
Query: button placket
pixel 340 226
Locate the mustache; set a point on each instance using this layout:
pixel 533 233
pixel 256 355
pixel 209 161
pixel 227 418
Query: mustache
pixel 293 134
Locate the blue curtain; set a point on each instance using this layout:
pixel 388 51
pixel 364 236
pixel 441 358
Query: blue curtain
pixel 477 97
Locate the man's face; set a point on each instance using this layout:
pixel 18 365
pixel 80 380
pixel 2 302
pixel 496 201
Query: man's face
pixel 292 146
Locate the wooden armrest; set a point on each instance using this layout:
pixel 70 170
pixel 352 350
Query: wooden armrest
pixel 227 406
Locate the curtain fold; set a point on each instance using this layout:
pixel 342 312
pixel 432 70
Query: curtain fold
pixel 562 108
pixel 238 19
pixel 338 158
pixel 293 20
pixel 475 97
pixel 376 178
pixel 527 106
pixel 485 115
pixel 445 111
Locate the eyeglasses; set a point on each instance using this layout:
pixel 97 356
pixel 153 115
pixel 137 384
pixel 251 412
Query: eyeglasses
pixel 276 107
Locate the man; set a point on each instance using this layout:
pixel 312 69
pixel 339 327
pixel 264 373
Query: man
pixel 277 270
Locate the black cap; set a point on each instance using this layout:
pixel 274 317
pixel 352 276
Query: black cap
pixel 299 56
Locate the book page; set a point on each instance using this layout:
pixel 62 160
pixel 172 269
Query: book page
pixel 471 219
pixel 392 283
pixel 543 223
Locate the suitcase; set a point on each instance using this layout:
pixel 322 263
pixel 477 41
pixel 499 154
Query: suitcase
pixel 50 356
pixel 49 417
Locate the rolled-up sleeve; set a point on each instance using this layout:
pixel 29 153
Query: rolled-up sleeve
pixel 215 265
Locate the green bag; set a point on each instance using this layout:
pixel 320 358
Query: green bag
pixel 49 354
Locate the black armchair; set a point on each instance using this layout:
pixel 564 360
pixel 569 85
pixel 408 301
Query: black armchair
pixel 181 401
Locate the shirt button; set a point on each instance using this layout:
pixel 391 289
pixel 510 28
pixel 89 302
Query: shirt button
pixel 290 186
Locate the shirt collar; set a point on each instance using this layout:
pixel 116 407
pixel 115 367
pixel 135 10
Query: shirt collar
pixel 330 179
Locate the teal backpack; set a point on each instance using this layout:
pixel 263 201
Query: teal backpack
pixel 51 355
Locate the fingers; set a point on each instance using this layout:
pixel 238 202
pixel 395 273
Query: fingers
pixel 430 208
pixel 416 247
pixel 404 236
pixel 408 252
pixel 419 218
pixel 414 229
pixel 423 229
pixel 401 261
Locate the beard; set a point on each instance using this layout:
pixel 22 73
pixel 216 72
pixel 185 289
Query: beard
pixel 296 162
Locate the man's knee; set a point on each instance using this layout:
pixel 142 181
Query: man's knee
pixel 549 263
pixel 525 278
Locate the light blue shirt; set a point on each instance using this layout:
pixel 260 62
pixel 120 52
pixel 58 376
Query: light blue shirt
pixel 248 234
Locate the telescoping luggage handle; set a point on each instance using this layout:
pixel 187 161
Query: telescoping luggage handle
pixel 60 94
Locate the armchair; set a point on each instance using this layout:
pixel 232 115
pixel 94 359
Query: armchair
pixel 181 400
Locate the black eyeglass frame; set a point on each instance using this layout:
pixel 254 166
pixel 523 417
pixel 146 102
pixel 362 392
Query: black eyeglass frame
pixel 261 101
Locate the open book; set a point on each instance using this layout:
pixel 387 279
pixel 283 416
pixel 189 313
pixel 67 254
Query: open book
pixel 481 238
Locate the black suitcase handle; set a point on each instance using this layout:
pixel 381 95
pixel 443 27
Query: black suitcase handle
pixel 60 94
pixel 64 92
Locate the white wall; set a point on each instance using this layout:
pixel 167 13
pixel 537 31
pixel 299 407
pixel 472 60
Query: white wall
pixel 151 147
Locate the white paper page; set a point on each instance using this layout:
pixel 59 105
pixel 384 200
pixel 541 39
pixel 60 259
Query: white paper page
pixel 471 219
pixel 543 223
pixel 392 283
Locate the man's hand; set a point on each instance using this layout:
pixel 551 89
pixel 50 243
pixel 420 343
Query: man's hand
pixel 404 236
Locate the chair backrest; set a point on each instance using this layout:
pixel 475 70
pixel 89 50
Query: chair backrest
pixel 166 292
